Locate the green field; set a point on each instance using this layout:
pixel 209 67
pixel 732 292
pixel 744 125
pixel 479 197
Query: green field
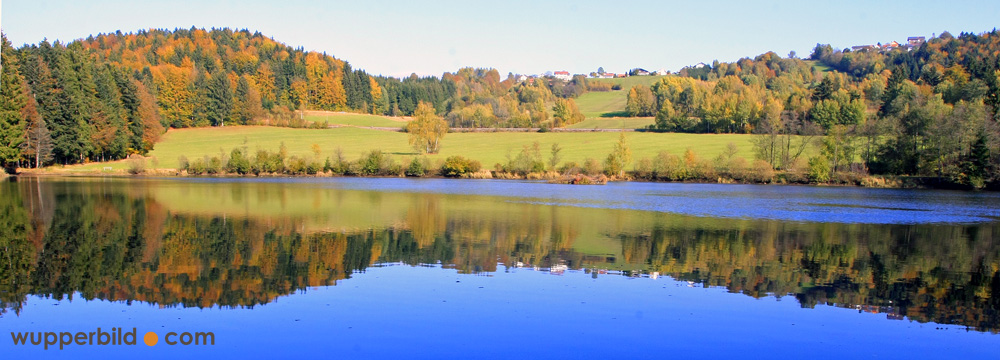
pixel 629 82
pixel 349 119
pixel 614 123
pixel 823 68
pixel 606 109
pixel 596 104
pixel 488 148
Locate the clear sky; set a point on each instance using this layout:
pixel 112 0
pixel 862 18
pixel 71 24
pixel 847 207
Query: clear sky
pixel 397 38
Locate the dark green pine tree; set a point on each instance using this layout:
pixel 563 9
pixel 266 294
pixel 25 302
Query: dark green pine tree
pixel 111 132
pixel 130 106
pixel 72 130
pixel 220 100
pixel 978 163
pixel 12 101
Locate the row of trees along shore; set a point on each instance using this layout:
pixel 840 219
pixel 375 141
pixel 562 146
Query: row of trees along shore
pixel 928 111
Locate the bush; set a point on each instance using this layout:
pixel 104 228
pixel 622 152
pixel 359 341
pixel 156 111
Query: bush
pixel 418 167
pixel 297 165
pixel 455 166
pixel 182 163
pixel 313 167
pixel 527 161
pixel 592 167
pixel 197 167
pixel 267 162
pixel 738 169
pixel 669 167
pixel 761 172
pixel 644 169
pixel 238 162
pixel 213 165
pixel 569 168
pixel 819 169
pixel 377 163
pixel 136 164
pixel 337 165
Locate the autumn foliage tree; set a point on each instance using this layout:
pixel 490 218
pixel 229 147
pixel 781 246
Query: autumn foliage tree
pixel 426 129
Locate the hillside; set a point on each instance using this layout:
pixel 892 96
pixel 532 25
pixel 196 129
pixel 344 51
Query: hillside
pixel 487 148
pixel 929 109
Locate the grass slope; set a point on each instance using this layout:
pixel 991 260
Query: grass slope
pixel 629 82
pixel 606 109
pixel 614 123
pixel 349 119
pixel 596 104
pixel 488 148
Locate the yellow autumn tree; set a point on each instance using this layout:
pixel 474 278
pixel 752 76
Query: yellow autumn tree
pixel 426 129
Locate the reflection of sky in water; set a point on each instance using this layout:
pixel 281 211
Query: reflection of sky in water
pixel 433 313
pixel 775 202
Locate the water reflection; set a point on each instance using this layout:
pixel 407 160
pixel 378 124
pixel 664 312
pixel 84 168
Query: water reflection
pixel 243 244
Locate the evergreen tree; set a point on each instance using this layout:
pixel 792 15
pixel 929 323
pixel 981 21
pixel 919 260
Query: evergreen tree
pixel 12 102
pixel 220 100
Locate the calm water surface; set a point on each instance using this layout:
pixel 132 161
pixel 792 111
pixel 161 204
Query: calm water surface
pixel 377 268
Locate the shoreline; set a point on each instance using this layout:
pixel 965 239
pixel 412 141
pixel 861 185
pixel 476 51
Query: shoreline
pixel 887 182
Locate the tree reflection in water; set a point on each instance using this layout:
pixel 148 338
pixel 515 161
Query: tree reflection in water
pixel 245 244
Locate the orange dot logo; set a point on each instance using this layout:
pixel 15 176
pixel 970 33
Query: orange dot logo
pixel 150 339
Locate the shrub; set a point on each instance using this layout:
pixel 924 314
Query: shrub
pixel 529 160
pixel 669 167
pixel 136 164
pixel 819 169
pixel 313 167
pixel 338 165
pixel 266 162
pixel 213 165
pixel 197 167
pixel 761 172
pixel 592 167
pixel 238 162
pixel 455 166
pixel 797 171
pixel 376 162
pixel 644 169
pixel 738 169
pixel 417 167
pixel 569 168
pixel 182 163
pixel 296 165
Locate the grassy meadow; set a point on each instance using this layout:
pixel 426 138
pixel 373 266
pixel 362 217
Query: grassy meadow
pixel 606 109
pixel 487 148
pixel 614 123
pixel 350 119
pixel 629 82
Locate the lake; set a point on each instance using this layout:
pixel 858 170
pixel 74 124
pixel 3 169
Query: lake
pixel 437 268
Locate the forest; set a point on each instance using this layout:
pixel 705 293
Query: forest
pixel 111 95
pixel 928 110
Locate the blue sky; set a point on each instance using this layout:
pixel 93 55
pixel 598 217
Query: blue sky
pixel 397 38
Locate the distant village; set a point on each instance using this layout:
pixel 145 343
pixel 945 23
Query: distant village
pixel 911 43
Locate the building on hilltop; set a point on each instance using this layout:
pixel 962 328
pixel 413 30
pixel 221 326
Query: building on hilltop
pixel 562 75
pixel 639 72
pixel 914 41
